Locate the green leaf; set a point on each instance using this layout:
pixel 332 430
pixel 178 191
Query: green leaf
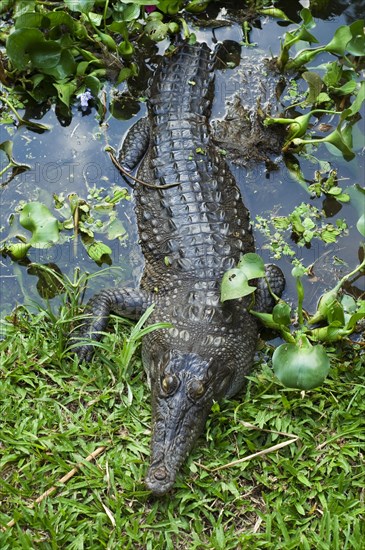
pixel 252 265
pixel 323 97
pixel 335 313
pixel 82 67
pixel 197 6
pixel 30 20
pixel 303 57
pixel 65 68
pixel 174 28
pixel 268 321
pixel 157 30
pixel 356 46
pixel 235 285
pixel 357 316
pixel 49 282
pixel 41 223
pixel 333 74
pixel 127 72
pixel 325 304
pixel 306 36
pixel 357 195
pixel 65 91
pixel 45 54
pixel 307 18
pixel 19 43
pixel 93 84
pixel 170 7
pixel 124 13
pixel 331 333
pixel 38 20
pixel 116 229
pixel 348 303
pixel 329 236
pixel 339 139
pixel 7 147
pixel 343 197
pixel 356 104
pixel 308 223
pixel 304 481
pixel 315 85
pixel 107 40
pixel 339 41
pixel 345 39
pixel 95 18
pixel 274 12
pixel 83 6
pixel 17 251
pixel 125 49
pixel 7 161
pixel 297 126
pixel 97 250
pixel 335 190
pixel 57 18
pixel 360 225
pixel 346 89
pixel 281 314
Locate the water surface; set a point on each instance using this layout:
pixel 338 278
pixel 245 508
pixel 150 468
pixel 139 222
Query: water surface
pixel 71 158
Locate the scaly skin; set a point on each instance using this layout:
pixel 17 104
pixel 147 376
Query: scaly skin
pixel 190 235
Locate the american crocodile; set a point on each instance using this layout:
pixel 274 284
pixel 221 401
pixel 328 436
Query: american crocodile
pixel 190 234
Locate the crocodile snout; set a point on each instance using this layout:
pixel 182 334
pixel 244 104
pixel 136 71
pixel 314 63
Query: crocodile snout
pixel 160 474
pixel 159 481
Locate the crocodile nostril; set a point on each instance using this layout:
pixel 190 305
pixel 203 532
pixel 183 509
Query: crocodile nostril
pixel 160 474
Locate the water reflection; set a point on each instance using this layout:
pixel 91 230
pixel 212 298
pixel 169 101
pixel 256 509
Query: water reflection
pixel 72 158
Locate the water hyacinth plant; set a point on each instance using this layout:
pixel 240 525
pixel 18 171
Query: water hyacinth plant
pixel 302 362
pixel 340 80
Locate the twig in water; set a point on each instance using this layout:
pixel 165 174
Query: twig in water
pixel 127 174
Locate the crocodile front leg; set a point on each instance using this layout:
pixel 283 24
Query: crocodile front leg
pixel 129 302
pixel 135 144
pixel 264 301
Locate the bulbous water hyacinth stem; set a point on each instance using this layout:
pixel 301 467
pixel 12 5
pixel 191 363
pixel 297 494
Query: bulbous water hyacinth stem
pixel 301 365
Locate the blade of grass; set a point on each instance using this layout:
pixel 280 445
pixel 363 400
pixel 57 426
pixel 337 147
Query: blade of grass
pixel 63 479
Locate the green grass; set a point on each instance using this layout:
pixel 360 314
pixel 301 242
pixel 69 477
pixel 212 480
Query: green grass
pixel 55 412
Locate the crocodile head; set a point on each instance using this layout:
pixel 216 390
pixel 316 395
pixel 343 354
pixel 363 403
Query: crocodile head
pixel 184 386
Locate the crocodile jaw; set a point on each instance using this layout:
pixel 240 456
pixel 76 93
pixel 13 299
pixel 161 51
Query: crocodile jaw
pixel 178 422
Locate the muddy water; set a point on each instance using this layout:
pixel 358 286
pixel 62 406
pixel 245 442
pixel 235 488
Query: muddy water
pixel 71 159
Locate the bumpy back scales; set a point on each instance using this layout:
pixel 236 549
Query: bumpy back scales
pixel 200 227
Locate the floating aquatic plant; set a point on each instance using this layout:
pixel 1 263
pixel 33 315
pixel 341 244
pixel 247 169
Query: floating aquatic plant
pixel 302 362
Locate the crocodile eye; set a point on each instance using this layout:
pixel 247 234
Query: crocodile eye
pixel 196 389
pixel 169 383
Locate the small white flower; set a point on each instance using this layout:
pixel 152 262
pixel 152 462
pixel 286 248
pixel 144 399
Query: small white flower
pixel 84 99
